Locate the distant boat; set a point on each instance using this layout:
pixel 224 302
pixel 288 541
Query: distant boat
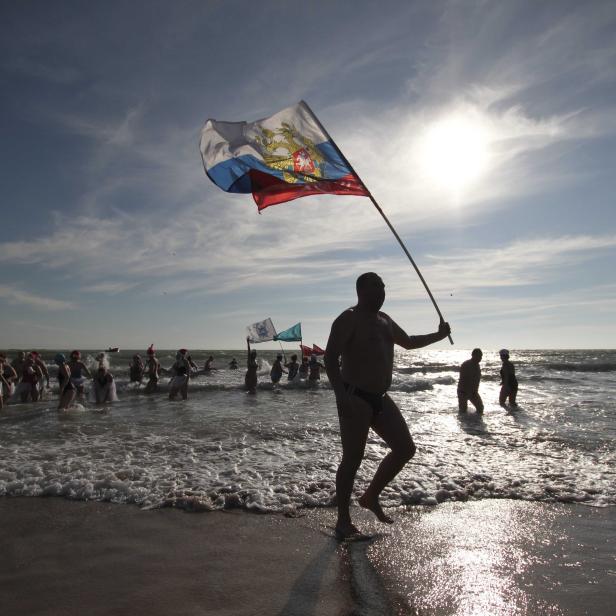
pixel 113 350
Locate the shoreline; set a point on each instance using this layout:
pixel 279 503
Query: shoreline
pixel 507 557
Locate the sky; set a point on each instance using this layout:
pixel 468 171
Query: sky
pixel 485 130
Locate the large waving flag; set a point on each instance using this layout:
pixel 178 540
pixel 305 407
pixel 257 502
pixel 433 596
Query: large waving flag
pixel 317 350
pixel 277 159
pixel 293 334
pixel 263 331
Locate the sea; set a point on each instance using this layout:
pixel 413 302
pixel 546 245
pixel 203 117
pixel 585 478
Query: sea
pixel 278 450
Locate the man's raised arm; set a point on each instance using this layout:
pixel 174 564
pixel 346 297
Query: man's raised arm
pixel 402 339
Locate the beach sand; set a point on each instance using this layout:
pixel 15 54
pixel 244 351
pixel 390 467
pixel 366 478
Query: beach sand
pixel 485 557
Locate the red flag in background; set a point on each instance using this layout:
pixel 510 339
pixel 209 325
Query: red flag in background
pixel 306 350
pixel 317 350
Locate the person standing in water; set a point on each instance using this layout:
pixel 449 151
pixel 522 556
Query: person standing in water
pixel 365 337
pixel 250 380
pixel 277 370
pixel 8 376
pixel 468 384
pixel 66 387
pixel 103 386
pixel 136 369
pixel 79 373
pixel 42 366
pixel 303 369
pixel 314 365
pixel 509 382
pixel 31 376
pixel 153 368
pixel 181 370
pixel 208 365
pixel 233 364
pixel 293 367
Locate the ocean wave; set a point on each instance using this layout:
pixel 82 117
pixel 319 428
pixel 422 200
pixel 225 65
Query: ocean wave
pixel 582 367
pixel 134 486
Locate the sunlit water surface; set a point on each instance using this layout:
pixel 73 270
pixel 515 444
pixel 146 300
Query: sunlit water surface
pixel 278 450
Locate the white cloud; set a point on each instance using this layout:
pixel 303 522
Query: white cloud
pixel 14 295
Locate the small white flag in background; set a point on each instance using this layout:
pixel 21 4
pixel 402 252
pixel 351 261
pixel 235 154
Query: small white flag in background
pixel 261 331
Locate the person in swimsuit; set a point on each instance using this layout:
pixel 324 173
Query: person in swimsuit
pixel 314 366
pixel 18 365
pixel 365 337
pixel 181 371
pixel 207 367
pixel 31 375
pixel 304 369
pixel 250 380
pixel 136 369
pixel 103 387
pixel 8 376
pixel 66 387
pixel 277 370
pixel 293 367
pixel 42 366
pixel 233 364
pixel 468 384
pixel 509 382
pixel 79 373
pixel 153 367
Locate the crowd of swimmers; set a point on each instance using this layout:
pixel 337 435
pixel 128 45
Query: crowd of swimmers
pixel 26 378
pixel 470 377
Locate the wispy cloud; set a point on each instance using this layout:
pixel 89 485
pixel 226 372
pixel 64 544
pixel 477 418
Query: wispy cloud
pixel 14 295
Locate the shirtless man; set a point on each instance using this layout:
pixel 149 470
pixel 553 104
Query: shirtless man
pixel 277 370
pixel 468 384
pixel 365 339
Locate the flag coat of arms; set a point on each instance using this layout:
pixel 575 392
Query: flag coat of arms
pixel 263 331
pixel 277 159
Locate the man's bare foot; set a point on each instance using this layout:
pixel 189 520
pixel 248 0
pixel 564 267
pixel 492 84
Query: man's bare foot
pixel 375 507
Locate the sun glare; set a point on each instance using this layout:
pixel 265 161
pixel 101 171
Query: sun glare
pixel 454 153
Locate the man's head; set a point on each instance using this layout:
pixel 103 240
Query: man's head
pixel 370 291
pixel 279 356
pixel 504 354
pixel 293 357
pixel 477 355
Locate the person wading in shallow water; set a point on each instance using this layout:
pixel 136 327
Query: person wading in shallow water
pixel 364 337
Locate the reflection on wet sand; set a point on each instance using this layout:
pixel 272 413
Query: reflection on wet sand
pixel 506 558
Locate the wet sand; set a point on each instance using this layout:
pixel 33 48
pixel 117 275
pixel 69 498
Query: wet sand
pixel 486 557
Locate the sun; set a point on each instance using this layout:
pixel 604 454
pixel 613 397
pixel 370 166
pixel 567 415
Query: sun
pixel 454 152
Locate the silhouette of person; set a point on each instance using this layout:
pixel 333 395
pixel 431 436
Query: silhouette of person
pixel 468 384
pixel 365 338
pixel 509 382
pixel 250 380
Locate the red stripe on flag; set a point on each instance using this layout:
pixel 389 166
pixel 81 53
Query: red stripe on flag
pixel 269 190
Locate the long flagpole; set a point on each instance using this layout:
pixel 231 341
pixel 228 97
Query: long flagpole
pixel 378 207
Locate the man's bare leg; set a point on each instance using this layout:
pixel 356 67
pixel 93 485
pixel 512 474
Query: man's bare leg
pixel 391 427
pixel 354 425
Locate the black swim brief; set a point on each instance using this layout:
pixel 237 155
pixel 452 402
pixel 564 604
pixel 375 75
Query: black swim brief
pixel 374 400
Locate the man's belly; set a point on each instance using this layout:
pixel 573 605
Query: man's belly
pixel 375 379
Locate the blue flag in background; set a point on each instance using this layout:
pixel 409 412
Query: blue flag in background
pixel 293 334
